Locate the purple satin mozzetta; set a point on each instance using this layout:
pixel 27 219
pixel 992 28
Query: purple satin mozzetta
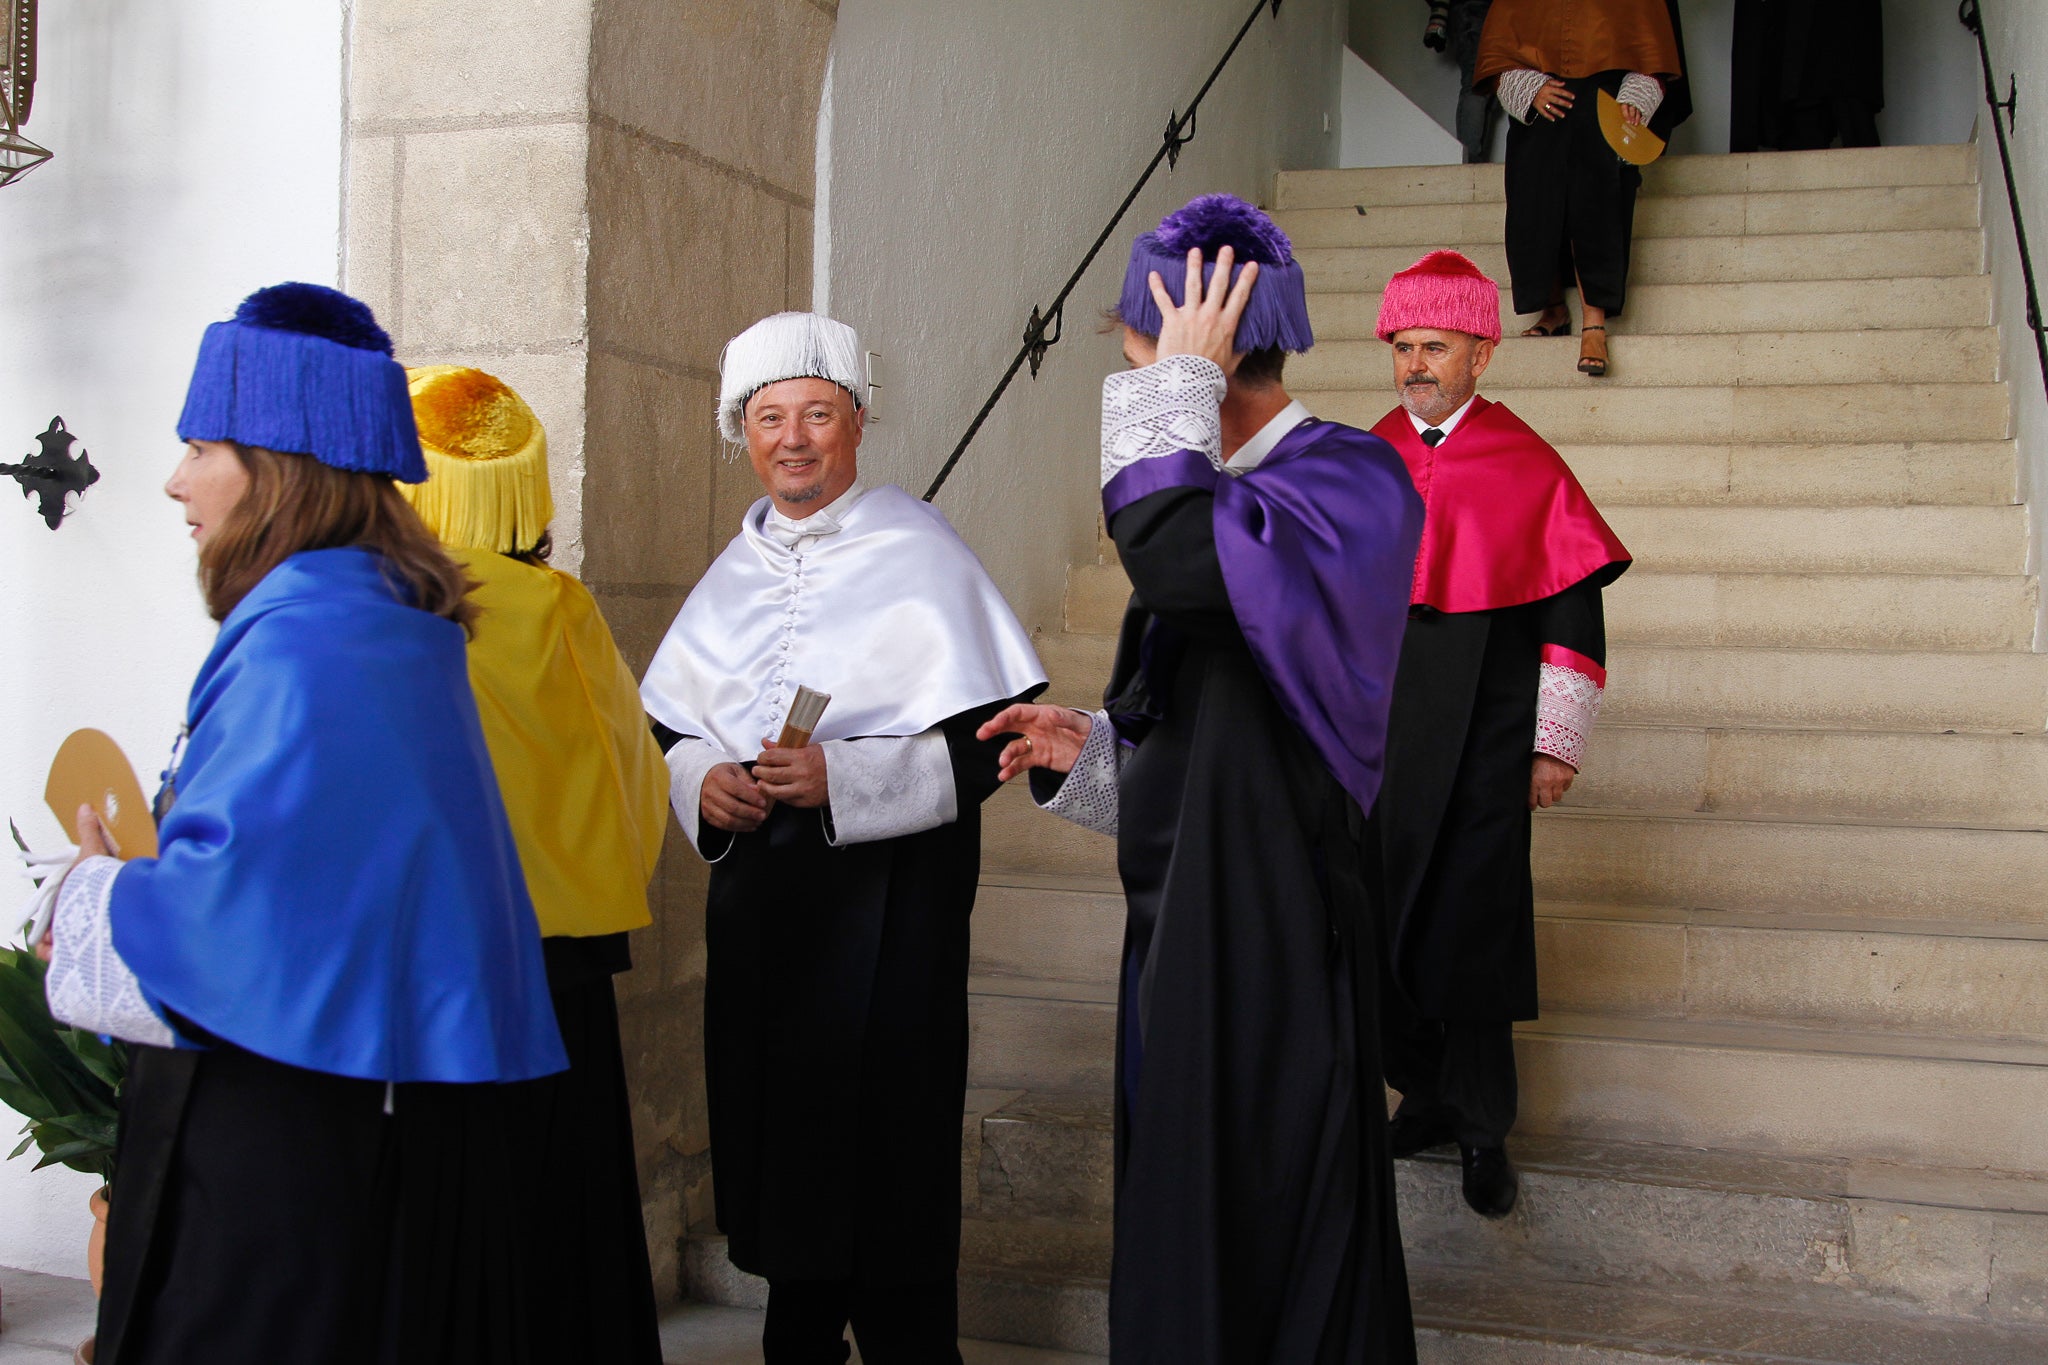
pixel 1317 547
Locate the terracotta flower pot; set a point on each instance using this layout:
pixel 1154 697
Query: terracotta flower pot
pixel 96 1245
pixel 83 1355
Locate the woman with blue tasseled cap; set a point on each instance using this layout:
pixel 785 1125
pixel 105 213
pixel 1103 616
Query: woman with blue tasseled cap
pixel 332 964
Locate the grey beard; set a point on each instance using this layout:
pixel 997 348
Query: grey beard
pixel 804 495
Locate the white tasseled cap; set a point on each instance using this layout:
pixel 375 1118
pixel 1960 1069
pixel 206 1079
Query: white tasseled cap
pixel 786 346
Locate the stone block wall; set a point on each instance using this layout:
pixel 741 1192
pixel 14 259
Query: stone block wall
pixel 587 198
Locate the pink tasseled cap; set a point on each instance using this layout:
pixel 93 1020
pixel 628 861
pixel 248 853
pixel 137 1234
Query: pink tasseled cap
pixel 1443 290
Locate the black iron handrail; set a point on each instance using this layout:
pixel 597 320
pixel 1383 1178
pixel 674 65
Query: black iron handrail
pixel 1042 332
pixel 1973 19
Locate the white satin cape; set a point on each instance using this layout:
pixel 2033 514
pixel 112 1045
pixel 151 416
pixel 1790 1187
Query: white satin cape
pixel 892 614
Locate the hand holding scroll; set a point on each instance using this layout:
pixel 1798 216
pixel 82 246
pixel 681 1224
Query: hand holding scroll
pixel 795 777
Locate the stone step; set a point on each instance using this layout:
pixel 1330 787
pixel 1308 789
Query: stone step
pixel 1924 977
pixel 1945 252
pixel 1821 214
pixel 1825 611
pixel 1946 164
pixel 1956 1243
pixel 1707 685
pixel 1589 413
pixel 1985 781
pixel 1339 312
pixel 1047 1286
pixel 1769 1088
pixel 1869 474
pixel 1668 361
pixel 1920 976
pixel 1478 1317
pixel 1898 872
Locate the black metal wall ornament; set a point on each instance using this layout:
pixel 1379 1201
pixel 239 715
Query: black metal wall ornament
pixel 18 156
pixel 53 473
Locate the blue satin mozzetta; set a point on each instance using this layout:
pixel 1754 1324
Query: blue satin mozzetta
pixel 337 886
pixel 1317 547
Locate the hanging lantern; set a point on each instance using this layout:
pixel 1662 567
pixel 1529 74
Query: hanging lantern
pixel 18 156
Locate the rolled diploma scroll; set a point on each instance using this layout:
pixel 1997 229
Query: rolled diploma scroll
pixel 804 714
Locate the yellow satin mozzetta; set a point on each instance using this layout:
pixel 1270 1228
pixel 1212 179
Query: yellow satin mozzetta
pixel 585 785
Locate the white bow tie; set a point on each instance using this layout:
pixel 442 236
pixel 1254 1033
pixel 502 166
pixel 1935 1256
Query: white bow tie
pixel 787 533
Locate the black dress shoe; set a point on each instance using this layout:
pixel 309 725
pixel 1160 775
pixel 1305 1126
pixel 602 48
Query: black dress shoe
pixel 1490 1181
pixel 1409 1133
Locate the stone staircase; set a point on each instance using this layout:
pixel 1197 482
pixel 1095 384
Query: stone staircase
pixel 1788 1099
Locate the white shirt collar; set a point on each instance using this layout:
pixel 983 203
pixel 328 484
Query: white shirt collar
pixel 1253 453
pixel 1448 423
pixel 787 531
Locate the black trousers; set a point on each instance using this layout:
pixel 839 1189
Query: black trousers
pixel 1460 1069
pixel 894 1324
pixel 1571 206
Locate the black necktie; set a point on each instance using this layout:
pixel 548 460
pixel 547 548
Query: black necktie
pixel 1430 436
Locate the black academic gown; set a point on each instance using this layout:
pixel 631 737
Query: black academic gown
pixel 835 1038
pixel 1805 72
pixel 1450 834
pixel 1255 1217
pixel 382 1226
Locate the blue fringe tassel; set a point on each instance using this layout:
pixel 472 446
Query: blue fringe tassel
pixel 306 395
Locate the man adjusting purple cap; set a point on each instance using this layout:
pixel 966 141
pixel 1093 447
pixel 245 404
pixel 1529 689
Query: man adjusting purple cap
pixel 1239 746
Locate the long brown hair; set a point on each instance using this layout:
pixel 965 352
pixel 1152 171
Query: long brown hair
pixel 296 503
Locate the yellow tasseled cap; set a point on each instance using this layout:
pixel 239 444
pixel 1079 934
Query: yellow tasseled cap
pixel 487 461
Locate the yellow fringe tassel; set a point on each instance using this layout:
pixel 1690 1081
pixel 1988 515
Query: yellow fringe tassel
pixel 487 462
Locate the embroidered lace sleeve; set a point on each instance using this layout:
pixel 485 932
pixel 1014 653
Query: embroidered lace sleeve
pixel 689 760
pixel 1567 701
pixel 1646 93
pixel 1087 795
pixel 1517 91
pixel 1162 409
pixel 88 985
pixel 885 787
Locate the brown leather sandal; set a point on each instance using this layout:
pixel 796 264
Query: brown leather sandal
pixel 1590 364
pixel 1563 329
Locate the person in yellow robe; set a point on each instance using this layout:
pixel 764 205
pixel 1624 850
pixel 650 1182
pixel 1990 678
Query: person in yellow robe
pixel 586 791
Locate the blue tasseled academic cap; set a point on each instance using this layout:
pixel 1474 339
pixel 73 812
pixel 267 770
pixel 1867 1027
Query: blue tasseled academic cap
pixel 305 369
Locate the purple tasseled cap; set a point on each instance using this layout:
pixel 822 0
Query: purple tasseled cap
pixel 1276 315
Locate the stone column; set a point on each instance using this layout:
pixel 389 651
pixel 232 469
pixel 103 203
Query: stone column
pixel 587 198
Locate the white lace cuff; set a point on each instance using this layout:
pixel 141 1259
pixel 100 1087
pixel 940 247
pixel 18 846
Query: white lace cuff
pixel 1517 90
pixel 1644 92
pixel 1162 409
pixel 886 787
pixel 688 763
pixel 1087 796
pixel 88 985
pixel 1567 700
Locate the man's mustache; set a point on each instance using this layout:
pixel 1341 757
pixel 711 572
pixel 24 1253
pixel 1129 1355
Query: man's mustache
pixel 1423 380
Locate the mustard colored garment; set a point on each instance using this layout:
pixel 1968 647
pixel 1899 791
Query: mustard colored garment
pixel 584 782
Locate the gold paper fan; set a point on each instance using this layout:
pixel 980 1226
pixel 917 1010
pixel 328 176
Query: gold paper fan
pixel 1632 142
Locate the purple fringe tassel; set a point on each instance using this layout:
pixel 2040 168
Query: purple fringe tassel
pixel 305 395
pixel 1276 315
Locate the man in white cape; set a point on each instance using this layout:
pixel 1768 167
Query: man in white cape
pixel 843 870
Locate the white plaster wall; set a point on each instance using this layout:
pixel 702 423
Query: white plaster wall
pixel 969 154
pixel 1383 127
pixel 2018 38
pixel 198 157
pixel 1928 66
